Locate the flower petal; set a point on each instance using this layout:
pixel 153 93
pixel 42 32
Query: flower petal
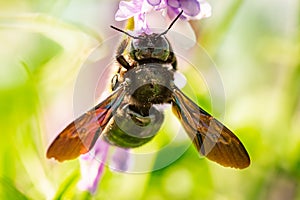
pixel 154 2
pixel 140 24
pixel 205 10
pixel 173 3
pixel 121 160
pixel 127 9
pixel 91 173
pixel 92 166
pixel 146 7
pixel 173 12
pixel 190 7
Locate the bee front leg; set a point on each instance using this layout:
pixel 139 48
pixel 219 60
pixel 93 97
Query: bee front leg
pixel 122 61
pixel 172 59
pixel 119 57
pixel 174 63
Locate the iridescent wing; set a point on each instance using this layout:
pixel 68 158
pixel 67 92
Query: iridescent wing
pixel 80 135
pixel 211 138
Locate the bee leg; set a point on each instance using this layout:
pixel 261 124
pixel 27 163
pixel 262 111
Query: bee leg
pixel 114 82
pixel 121 48
pixel 119 57
pixel 174 64
pixel 172 59
pixel 123 62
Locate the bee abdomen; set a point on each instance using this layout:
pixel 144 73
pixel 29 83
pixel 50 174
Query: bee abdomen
pixel 130 129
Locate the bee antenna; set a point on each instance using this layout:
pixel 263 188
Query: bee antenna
pixel 117 29
pixel 170 26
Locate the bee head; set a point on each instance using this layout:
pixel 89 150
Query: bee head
pixel 153 46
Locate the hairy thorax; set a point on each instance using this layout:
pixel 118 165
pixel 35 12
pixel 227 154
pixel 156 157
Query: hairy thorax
pixel 150 83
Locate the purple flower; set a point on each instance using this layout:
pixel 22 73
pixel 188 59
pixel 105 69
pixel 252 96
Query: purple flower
pixel 136 9
pixel 121 160
pixel 92 164
pixel 154 2
pixel 192 9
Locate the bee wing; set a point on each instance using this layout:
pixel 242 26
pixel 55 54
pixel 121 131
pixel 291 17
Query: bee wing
pixel 211 138
pixel 80 135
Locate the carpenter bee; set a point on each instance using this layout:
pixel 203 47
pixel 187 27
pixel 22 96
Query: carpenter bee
pixel 129 117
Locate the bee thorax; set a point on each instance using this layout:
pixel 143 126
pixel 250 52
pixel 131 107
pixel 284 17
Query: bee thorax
pixel 150 84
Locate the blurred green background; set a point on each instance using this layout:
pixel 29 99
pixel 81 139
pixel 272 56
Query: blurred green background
pixel 256 47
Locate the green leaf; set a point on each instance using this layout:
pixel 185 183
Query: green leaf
pixel 67 185
pixel 9 190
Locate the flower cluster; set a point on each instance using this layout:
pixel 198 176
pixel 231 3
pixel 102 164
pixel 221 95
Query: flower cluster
pixel 192 10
